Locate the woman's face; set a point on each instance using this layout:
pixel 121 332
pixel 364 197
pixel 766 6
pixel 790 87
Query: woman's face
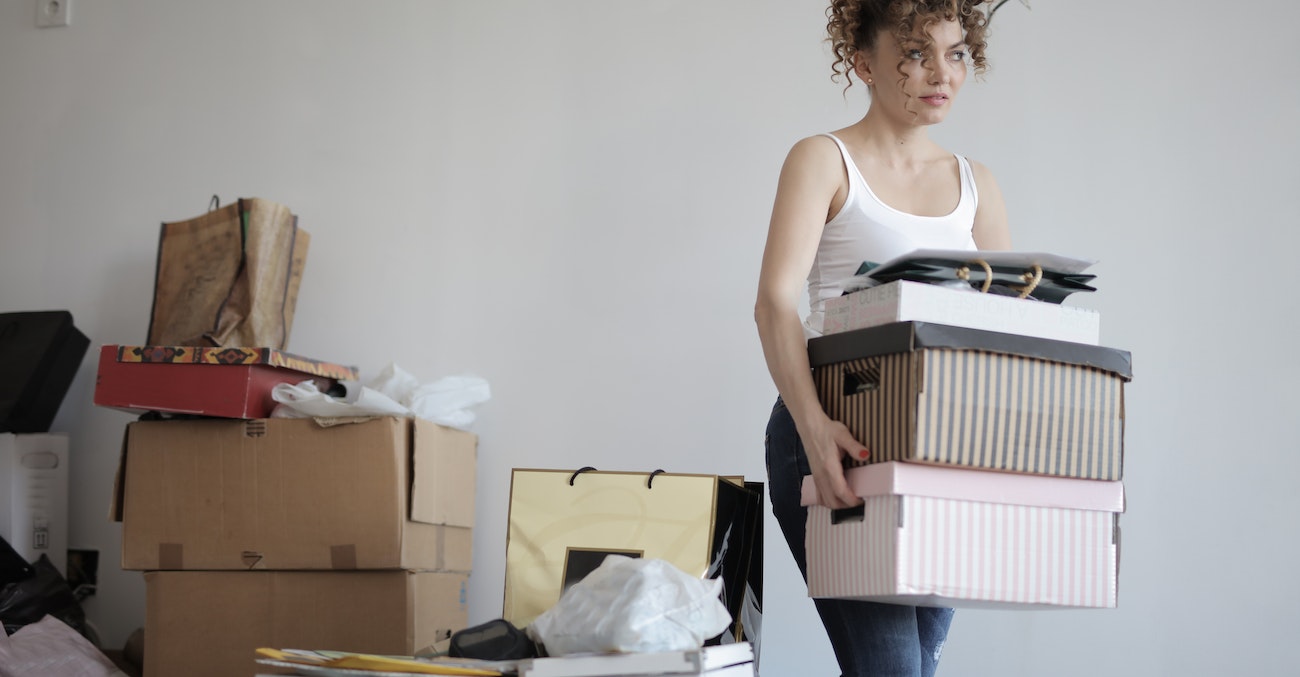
pixel 931 76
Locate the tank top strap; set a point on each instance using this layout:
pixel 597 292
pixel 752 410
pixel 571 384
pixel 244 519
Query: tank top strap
pixel 850 167
pixel 968 190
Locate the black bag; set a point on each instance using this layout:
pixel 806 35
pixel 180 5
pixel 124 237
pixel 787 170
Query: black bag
pixel 1045 277
pixel 40 353
pixel 13 566
pixel 27 601
pixel 497 640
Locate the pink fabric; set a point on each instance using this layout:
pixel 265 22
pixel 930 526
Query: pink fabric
pixel 50 647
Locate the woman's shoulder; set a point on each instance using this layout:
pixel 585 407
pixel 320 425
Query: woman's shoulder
pixel 818 144
pixel 983 175
pixel 977 168
pixel 813 151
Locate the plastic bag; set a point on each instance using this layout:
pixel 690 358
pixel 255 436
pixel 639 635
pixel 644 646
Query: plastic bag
pixel 393 392
pixel 45 592
pixel 633 605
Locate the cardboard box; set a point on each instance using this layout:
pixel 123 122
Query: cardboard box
pixel 387 493
pixel 224 382
pixel 34 496
pixel 907 301
pixel 935 536
pixel 930 393
pixel 208 623
pixel 40 354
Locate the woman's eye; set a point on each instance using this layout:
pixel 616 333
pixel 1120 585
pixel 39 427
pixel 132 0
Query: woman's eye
pixel 915 54
pixel 957 56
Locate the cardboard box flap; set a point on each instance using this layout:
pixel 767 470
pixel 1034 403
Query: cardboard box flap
pixel 234 356
pixel 119 481
pixel 442 474
pixel 911 336
pixel 983 486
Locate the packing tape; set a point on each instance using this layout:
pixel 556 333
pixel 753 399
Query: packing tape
pixel 343 556
pixel 171 556
pixel 440 541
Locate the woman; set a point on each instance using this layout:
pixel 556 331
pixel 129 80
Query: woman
pixel 876 189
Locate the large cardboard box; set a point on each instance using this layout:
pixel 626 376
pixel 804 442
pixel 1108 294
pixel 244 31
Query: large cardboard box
pixel 930 393
pixel 914 301
pixel 387 493
pixel 34 496
pixel 934 536
pixel 208 623
pixel 224 382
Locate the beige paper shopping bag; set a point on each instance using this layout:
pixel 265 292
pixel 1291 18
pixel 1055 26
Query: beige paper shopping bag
pixel 229 277
pixel 563 523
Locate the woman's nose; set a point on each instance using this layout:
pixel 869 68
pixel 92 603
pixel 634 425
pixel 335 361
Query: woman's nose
pixel 941 74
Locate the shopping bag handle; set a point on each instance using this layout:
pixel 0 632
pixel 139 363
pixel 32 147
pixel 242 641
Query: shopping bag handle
pixel 963 273
pixel 649 482
pixel 1031 277
pixel 579 471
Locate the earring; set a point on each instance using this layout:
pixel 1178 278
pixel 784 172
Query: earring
pixel 868 81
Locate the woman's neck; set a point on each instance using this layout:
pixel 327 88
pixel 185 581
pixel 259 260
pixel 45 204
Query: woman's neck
pixel 895 143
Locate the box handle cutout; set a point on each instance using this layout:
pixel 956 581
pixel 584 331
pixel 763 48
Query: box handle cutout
pixel 865 381
pixel 854 514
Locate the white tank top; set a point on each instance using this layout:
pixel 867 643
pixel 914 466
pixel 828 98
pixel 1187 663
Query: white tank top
pixel 867 229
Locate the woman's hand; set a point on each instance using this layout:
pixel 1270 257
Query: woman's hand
pixel 825 443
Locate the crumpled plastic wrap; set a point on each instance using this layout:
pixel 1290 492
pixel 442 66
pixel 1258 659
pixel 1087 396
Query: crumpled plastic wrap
pixel 633 605
pixel 393 392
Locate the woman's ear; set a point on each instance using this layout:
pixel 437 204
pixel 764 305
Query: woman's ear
pixel 862 67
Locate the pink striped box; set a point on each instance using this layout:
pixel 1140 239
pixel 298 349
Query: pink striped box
pixel 938 536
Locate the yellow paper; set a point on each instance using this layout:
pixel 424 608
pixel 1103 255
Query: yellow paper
pixel 353 661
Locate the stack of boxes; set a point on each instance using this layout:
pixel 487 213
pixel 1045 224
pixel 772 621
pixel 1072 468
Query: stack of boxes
pixel 281 532
pixel 995 427
pixel 253 531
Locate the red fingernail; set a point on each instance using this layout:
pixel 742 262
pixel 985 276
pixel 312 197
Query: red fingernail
pixel 864 453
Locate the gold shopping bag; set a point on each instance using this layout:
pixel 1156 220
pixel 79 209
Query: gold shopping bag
pixel 563 523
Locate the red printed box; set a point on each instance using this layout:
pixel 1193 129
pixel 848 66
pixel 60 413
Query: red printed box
pixel 935 536
pixel 222 382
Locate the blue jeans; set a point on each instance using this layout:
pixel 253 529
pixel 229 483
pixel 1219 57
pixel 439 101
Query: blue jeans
pixel 870 639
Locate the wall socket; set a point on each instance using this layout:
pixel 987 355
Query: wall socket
pixel 50 13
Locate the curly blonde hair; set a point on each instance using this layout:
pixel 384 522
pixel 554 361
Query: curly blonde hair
pixel 852 26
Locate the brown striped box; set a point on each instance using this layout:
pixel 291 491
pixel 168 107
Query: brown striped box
pixel 933 536
pixel 931 393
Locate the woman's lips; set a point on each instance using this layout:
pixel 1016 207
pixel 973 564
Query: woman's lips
pixel 935 99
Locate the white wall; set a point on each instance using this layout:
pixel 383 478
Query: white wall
pixel 570 198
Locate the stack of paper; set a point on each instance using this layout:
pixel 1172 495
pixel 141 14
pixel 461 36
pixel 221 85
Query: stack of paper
pixel 730 660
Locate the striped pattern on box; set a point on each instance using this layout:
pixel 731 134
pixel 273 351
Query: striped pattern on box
pixel 980 409
pixel 947 552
